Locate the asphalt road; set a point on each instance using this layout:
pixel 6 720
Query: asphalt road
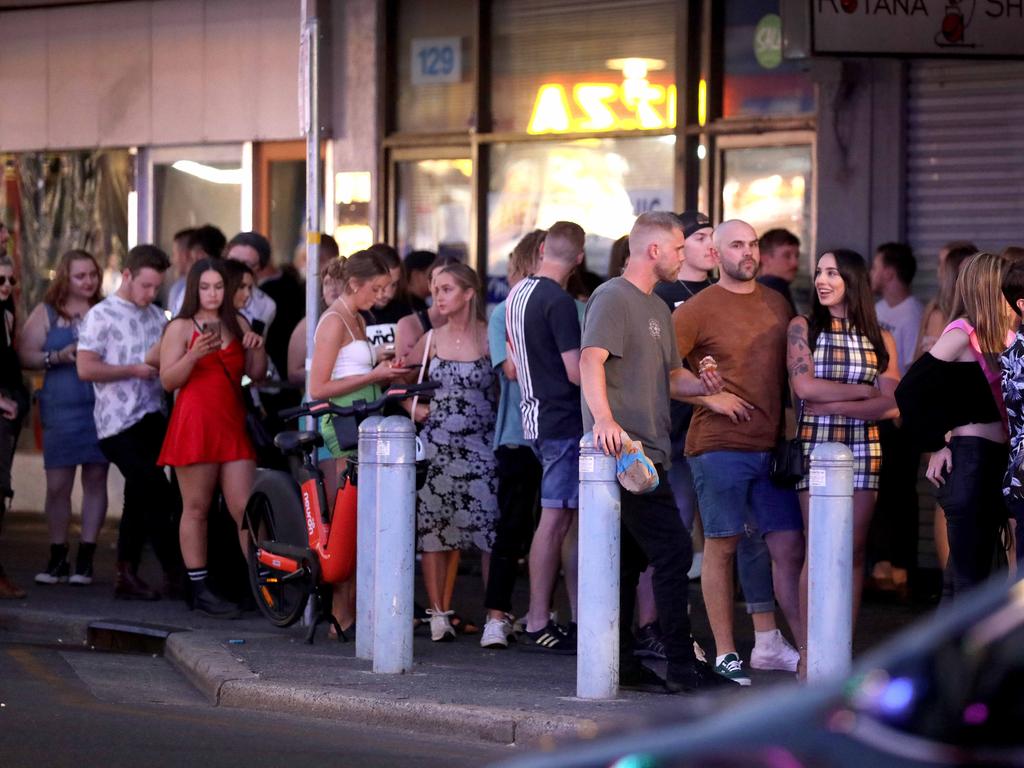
pixel 80 708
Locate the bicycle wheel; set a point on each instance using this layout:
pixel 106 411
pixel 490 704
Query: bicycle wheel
pixel 280 596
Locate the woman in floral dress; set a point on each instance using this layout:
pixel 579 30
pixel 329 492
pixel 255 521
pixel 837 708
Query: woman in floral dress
pixel 458 503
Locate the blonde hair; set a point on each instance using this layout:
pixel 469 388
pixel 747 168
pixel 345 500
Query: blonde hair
pixel 466 277
pixel 524 257
pixel 979 298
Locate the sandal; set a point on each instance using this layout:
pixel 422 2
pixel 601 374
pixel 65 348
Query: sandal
pixel 462 626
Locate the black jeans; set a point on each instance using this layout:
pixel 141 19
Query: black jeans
pixel 519 474
pixel 893 532
pixel 653 533
pixel 972 498
pixel 149 507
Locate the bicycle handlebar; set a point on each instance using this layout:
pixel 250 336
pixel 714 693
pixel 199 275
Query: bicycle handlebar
pixel 359 407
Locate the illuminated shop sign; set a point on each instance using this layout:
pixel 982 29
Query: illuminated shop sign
pixel 919 27
pixel 604 104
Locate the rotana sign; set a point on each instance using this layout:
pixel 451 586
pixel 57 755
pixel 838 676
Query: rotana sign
pixel 939 28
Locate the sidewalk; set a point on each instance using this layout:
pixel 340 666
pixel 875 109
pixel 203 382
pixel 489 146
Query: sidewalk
pixel 507 697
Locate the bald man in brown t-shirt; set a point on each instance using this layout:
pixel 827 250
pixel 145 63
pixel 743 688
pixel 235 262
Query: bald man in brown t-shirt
pixel 742 325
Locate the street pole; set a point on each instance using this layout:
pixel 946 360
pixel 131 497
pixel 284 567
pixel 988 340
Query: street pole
pixel 395 546
pixel 311 129
pixel 830 563
pixel 366 532
pixel 597 650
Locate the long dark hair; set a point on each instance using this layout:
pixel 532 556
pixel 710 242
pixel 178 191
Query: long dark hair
pixel 190 304
pixel 860 307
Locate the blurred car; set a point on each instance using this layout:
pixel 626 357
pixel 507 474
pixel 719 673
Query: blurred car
pixel 947 691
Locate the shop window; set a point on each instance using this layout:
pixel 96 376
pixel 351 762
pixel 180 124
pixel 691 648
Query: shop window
pixel 434 203
pixel 56 201
pixel 193 186
pixel 577 67
pixel 757 80
pixel 770 187
pixel 601 184
pixel 435 44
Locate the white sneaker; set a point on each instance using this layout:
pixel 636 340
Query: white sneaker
pixel 441 629
pixel 775 653
pixel 496 633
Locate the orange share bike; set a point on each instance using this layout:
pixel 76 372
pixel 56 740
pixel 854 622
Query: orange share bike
pixel 299 545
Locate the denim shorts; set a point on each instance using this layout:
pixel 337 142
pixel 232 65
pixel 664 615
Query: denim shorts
pixel 737 495
pixel 560 481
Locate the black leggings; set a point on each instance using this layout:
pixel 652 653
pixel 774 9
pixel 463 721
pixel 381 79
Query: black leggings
pixel 972 498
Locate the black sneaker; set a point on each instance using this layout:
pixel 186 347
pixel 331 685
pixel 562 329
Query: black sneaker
pixel 637 677
pixel 57 568
pixel 695 677
pixel 551 639
pixel 648 642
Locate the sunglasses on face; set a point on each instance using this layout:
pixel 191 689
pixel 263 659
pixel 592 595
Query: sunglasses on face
pixel 4 279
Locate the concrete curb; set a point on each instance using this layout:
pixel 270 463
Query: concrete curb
pixel 206 664
pixel 64 629
pixel 225 681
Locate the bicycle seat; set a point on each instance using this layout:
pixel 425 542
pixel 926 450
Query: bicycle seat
pixel 298 442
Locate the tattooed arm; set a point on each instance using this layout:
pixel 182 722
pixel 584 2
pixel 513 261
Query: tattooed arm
pixel 801 372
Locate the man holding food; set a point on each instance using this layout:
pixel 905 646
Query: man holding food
pixel 737 328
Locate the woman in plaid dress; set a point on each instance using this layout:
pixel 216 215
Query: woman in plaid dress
pixel 843 371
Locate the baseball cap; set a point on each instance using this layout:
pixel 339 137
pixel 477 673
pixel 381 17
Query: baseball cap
pixel 693 221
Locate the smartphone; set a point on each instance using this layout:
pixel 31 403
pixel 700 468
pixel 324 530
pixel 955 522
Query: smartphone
pixel 212 326
pixel 411 366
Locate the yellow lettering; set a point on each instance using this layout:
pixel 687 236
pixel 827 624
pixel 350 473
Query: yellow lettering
pixel 593 99
pixel 550 111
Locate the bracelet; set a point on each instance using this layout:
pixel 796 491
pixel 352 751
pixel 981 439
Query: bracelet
pixel 47 362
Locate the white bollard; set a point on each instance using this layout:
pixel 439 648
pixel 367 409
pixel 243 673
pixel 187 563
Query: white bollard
pixel 395 548
pixel 830 563
pixel 597 649
pixel 366 526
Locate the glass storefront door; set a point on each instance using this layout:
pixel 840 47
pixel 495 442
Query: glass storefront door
pixel 433 204
pixel 768 182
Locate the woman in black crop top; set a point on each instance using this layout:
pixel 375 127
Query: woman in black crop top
pixel 954 389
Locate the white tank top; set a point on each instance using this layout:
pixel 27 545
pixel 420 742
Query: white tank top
pixel 355 358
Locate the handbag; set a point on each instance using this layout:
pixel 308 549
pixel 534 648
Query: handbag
pixel 788 463
pixel 262 440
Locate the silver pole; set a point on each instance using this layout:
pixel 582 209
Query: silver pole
pixel 830 563
pixel 597 650
pixel 311 126
pixel 366 529
pixel 394 567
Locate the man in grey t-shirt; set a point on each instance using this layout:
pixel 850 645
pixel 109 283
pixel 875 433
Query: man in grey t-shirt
pixel 629 368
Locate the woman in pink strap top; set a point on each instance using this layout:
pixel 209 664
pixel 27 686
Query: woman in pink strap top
pixel 951 403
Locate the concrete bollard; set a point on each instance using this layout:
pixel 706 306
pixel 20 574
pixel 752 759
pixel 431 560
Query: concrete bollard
pixel 830 563
pixel 597 650
pixel 395 548
pixel 366 526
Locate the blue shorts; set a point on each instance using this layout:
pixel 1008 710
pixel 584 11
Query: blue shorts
pixel 737 495
pixel 560 482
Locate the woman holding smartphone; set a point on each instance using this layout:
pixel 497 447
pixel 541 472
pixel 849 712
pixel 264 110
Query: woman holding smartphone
pixel 345 368
pixel 204 352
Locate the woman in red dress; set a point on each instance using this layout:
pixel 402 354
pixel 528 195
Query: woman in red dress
pixel 204 352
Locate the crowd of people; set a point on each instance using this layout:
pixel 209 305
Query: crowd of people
pixel 709 373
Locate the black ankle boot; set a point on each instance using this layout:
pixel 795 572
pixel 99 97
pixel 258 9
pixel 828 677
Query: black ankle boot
pixel 83 564
pixel 57 569
pixel 209 603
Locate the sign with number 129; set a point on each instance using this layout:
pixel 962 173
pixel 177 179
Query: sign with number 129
pixel 436 60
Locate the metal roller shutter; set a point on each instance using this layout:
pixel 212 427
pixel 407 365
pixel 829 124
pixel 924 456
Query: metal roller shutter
pixel 965 158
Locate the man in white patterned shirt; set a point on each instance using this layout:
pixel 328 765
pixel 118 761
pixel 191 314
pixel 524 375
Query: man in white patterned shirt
pixel 118 351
